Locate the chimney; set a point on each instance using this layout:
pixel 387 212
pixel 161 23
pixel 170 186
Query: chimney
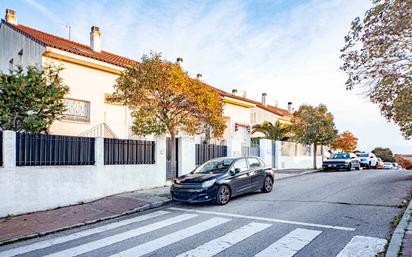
pixel 234 91
pixel 264 98
pixel 199 76
pixel 11 16
pixel 95 39
pixel 290 110
pixel 179 61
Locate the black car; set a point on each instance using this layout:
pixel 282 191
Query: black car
pixel 345 161
pixel 220 179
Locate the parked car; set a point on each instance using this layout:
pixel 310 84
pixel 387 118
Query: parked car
pixel 368 160
pixel 345 161
pixel 388 166
pixel 380 163
pixel 396 166
pixel 221 179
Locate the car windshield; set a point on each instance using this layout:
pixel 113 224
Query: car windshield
pixel 214 166
pixel 387 163
pixel 364 155
pixel 341 156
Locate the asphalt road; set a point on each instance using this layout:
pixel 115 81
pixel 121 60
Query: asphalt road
pixel 321 214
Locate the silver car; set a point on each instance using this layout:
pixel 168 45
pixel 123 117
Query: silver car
pixel 345 161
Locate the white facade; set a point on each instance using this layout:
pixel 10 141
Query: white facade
pixel 17 49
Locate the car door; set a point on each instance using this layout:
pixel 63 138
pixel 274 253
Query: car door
pixel 256 173
pixel 240 182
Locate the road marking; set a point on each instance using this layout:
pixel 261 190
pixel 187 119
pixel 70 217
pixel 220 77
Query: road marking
pixel 290 244
pixel 80 234
pixel 171 238
pixel 219 244
pixel 363 246
pixel 87 247
pixel 264 219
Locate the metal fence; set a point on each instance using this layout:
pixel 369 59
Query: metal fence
pixel 124 151
pixel 205 152
pixel 1 148
pixel 45 150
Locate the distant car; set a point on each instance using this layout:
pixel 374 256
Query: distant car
pixel 345 161
pixel 396 166
pixel 388 166
pixel 221 179
pixel 380 163
pixel 368 160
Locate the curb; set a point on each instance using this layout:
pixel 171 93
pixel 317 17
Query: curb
pixel 397 236
pixel 297 175
pixel 89 222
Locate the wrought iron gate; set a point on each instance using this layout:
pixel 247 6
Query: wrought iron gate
pixel 170 174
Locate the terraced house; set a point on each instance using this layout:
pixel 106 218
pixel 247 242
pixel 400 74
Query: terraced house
pixel 90 74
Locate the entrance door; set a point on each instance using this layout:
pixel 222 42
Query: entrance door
pixel 170 174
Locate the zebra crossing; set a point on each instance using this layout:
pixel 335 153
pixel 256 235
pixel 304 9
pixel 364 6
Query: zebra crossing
pixel 152 231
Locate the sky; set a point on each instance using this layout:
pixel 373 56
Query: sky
pixel 288 49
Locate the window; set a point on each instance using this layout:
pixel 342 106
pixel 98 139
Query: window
pixel 241 164
pixel 77 110
pixel 19 59
pixel 253 163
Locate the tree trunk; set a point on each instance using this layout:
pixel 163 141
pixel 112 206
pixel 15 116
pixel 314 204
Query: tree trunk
pixel 173 165
pixel 315 148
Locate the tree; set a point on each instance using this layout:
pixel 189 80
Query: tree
pixel 164 99
pixel 31 99
pixel 378 57
pixel 314 125
pixel 404 163
pixel 385 154
pixel 278 131
pixel 345 142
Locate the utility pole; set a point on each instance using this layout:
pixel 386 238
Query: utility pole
pixel 70 30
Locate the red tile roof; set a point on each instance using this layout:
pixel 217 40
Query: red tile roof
pixel 46 39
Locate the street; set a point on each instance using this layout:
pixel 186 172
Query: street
pixel 320 214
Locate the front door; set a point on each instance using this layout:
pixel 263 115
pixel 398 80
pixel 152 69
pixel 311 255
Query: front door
pixel 240 182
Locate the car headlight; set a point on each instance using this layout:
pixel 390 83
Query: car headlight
pixel 208 183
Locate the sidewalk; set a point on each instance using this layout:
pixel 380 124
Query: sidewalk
pixel 44 222
pixel 288 173
pixel 401 240
pixel 30 225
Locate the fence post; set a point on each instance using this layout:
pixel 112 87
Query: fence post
pixel 160 159
pixel 99 151
pixel 265 150
pixel 186 155
pixel 9 149
pixel 234 148
pixel 277 154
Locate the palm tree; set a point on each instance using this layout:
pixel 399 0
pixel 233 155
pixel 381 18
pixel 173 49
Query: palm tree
pixel 278 131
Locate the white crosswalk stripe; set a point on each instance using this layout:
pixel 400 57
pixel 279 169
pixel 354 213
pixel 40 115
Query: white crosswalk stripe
pixel 290 244
pixel 80 234
pixel 94 245
pixel 287 246
pixel 171 238
pixel 216 246
pixel 362 246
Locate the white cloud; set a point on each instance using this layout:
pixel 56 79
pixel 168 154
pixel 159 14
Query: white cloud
pixel 292 54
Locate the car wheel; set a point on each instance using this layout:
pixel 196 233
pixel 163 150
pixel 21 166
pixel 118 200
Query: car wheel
pixel 358 168
pixel 223 195
pixel 350 167
pixel 267 185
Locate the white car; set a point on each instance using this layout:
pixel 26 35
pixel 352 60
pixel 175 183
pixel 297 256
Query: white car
pixel 368 160
pixel 388 166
